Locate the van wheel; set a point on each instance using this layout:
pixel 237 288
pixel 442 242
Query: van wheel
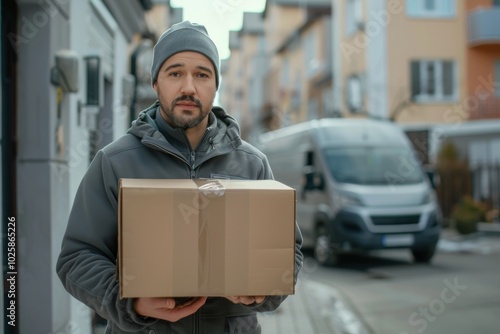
pixel 423 255
pixel 324 253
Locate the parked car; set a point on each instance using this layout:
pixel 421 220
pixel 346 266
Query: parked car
pixel 359 187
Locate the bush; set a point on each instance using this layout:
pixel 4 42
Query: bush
pixel 466 214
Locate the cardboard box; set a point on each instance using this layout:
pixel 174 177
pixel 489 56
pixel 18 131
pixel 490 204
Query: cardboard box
pixel 205 238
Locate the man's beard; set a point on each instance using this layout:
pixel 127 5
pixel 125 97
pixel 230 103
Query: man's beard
pixel 181 120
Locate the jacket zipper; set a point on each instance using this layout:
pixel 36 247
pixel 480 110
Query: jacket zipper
pixel 197 322
pixel 193 159
pixel 191 163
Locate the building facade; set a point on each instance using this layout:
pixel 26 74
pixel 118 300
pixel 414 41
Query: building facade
pixel 483 58
pixel 66 92
pixel 393 63
pixel 414 62
pixel 266 70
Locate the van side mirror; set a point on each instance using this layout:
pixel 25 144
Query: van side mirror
pixel 432 175
pixel 313 180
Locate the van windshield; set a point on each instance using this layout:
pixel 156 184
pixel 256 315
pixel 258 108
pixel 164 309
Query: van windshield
pixel 373 165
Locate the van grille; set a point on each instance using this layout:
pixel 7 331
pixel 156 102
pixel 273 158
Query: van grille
pixel 395 220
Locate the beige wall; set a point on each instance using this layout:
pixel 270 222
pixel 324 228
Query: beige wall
pixel 233 78
pixel 249 50
pixel 157 19
pixel 280 22
pixel 310 76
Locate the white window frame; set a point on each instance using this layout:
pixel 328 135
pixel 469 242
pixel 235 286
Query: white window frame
pixel 311 50
pixel 354 16
pixel 442 9
pixel 355 93
pixel 438 95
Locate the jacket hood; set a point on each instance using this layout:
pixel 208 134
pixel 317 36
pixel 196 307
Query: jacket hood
pixel 222 130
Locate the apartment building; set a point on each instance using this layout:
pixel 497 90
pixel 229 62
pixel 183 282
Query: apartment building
pixel 400 60
pixel 284 73
pixel 242 76
pixel 250 74
pixel 231 91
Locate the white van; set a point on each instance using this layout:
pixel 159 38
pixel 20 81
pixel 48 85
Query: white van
pixel 359 187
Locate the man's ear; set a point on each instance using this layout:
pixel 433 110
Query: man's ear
pixel 155 87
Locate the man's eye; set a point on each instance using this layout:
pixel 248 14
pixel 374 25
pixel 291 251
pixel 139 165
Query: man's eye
pixel 174 74
pixel 203 75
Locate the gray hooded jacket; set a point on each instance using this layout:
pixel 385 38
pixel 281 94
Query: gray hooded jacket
pixel 87 262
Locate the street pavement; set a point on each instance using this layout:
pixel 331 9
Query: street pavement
pixel 316 308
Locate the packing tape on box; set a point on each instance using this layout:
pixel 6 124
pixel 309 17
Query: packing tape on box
pixel 211 188
pixel 211 238
pixel 222 245
pixel 215 244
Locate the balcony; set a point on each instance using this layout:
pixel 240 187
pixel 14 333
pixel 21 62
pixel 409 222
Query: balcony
pixel 483 26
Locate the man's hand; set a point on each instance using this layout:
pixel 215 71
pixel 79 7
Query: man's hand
pixel 246 300
pixel 165 308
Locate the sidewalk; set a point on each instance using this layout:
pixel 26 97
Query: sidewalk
pixel 314 309
pixel 485 241
pixel 320 309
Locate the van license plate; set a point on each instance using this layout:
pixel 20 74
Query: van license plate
pixel 398 240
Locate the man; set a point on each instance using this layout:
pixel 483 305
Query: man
pixel 180 136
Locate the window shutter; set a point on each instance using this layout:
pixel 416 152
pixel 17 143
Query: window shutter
pixel 415 79
pixel 448 78
pixel 496 78
pixel 430 78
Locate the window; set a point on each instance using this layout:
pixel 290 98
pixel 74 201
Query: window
pixel 285 73
pixel 312 109
pixel 354 16
pixel 371 165
pixel 311 53
pixel 431 8
pixel 433 80
pixel 354 93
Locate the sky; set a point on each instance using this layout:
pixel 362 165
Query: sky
pixel 219 17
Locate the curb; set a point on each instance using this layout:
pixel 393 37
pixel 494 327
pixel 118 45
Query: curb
pixel 493 228
pixel 316 308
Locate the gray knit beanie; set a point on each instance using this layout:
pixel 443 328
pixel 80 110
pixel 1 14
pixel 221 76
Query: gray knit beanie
pixel 184 36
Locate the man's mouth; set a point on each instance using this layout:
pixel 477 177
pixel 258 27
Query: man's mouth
pixel 187 102
pixel 184 104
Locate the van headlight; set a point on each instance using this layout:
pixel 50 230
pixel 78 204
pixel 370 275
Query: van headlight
pixel 427 198
pixel 349 200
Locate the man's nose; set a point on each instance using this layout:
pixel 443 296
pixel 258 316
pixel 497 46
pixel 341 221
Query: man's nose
pixel 188 86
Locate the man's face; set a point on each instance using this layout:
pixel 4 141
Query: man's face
pixel 186 89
